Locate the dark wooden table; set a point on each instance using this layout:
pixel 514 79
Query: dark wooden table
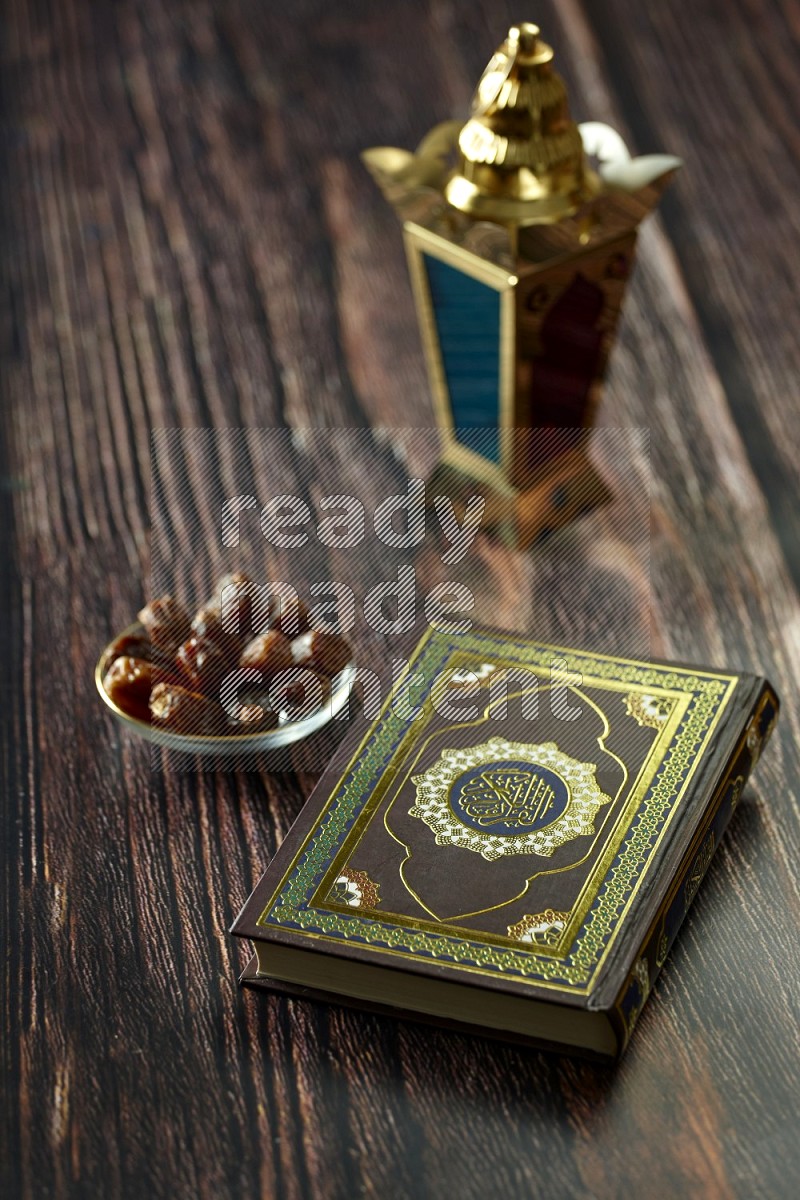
pixel 189 239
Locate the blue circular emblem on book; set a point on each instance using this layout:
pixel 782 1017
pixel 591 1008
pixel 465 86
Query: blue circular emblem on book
pixel 508 798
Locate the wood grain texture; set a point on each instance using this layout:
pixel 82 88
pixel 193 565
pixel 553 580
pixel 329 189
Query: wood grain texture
pixel 189 239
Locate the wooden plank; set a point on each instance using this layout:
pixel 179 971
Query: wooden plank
pixel 190 240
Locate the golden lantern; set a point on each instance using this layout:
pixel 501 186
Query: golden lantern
pixel 519 251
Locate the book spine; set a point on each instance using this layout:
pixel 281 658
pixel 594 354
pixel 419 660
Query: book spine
pixel 660 936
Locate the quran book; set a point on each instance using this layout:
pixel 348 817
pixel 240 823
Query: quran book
pixel 514 851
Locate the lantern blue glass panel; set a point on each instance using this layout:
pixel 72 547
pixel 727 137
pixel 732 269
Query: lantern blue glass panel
pixel 467 315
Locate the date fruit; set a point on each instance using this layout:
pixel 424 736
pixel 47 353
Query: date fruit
pixel 268 653
pixel 203 664
pixel 254 718
pixel 128 682
pixel 327 653
pixel 131 645
pixel 207 623
pixel 236 596
pixel 178 710
pixel 166 622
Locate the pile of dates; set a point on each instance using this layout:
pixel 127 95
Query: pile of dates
pixel 224 672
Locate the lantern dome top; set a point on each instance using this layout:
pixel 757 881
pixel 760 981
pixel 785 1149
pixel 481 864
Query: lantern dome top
pixel 521 157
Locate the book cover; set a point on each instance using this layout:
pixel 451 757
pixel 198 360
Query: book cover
pixel 513 842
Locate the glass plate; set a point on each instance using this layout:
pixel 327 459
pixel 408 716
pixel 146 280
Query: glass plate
pixel 285 732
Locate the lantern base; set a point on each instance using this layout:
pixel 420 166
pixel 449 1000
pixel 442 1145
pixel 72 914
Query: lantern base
pixel 566 489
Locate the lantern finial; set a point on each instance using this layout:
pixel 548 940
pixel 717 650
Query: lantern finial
pixel 521 158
